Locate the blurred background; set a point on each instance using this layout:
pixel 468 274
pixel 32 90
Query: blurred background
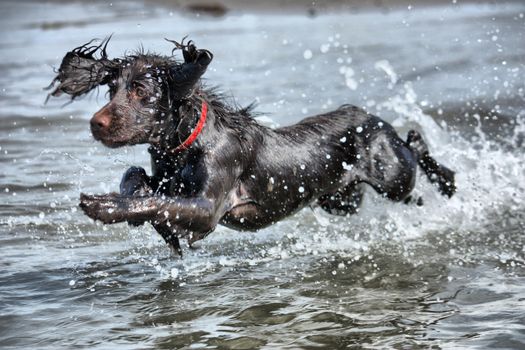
pixel 449 274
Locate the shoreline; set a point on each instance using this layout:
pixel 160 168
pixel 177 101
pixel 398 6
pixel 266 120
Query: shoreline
pixel 219 8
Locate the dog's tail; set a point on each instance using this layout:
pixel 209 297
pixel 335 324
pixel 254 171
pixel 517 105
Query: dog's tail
pixel 436 173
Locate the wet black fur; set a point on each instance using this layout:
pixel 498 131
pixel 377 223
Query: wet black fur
pixel 237 173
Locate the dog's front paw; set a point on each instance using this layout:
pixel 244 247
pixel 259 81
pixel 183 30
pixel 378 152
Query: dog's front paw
pixel 107 208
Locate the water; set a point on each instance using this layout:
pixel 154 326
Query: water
pixel 449 274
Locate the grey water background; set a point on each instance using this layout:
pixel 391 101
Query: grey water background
pixel 447 275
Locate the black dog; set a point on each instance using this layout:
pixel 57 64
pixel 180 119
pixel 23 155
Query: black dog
pixel 212 163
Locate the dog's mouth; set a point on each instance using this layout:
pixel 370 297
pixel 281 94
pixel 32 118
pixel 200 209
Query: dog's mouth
pixel 110 140
pixel 113 143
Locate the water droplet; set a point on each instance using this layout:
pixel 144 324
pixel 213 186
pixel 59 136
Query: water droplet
pixel 307 54
pixel 346 166
pixel 301 189
pixel 359 129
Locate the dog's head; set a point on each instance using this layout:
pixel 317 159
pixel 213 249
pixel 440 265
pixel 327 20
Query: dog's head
pixel 143 88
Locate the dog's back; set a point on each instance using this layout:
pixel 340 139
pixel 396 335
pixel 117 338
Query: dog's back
pixel 324 158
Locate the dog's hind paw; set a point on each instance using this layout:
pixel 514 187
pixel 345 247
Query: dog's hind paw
pixel 445 180
pixel 417 200
pixel 416 143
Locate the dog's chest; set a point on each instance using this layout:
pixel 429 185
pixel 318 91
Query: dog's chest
pixel 186 181
pixel 177 176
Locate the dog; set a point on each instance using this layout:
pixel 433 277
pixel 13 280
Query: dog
pixel 212 163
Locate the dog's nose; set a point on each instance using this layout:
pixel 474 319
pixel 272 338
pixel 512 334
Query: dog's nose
pixel 100 120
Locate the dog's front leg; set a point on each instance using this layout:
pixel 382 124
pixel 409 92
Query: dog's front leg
pixel 196 215
pixel 136 182
pixel 171 235
pixel 111 207
pixel 193 217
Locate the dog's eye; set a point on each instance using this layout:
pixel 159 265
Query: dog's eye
pixel 140 92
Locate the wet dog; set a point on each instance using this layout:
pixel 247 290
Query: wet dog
pixel 212 163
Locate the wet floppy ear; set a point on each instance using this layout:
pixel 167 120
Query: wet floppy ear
pixel 185 76
pixel 81 71
pixel 199 56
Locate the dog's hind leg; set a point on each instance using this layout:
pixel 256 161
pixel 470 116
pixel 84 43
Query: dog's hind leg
pixel 435 172
pixel 388 165
pixel 344 201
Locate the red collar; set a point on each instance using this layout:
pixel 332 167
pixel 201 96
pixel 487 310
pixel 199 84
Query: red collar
pixel 187 143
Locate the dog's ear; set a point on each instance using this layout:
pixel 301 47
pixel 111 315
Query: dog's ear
pixel 185 76
pixel 81 71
